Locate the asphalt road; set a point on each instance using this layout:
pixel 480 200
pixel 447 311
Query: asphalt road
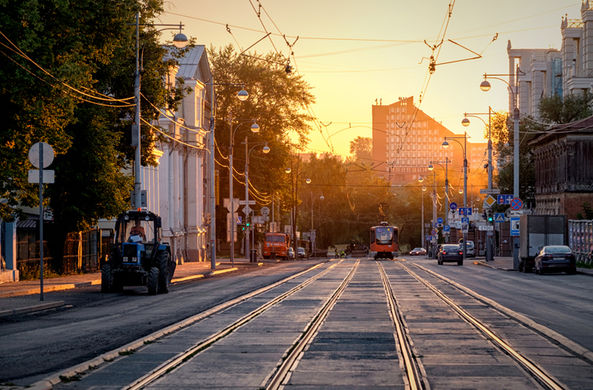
pixel 356 339
pixel 561 302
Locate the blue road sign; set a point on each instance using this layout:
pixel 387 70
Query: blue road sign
pixel 453 206
pixel 516 204
pixel 504 198
pixel 515 226
pixel 499 217
pixel 439 220
pixel 446 228
pixel 464 220
pixel 465 211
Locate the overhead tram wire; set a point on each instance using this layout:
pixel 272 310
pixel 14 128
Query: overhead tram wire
pixel 95 94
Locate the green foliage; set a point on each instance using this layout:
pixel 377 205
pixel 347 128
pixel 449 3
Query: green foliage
pixel 277 102
pixel 71 53
pixel 557 109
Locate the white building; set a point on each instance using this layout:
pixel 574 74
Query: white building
pixel 176 187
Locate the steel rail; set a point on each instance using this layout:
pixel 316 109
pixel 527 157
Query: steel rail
pixel 289 363
pixel 411 365
pixel 543 377
pixel 182 357
pixel 82 368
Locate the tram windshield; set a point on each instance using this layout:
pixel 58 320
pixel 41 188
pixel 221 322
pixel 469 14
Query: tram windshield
pixel 384 234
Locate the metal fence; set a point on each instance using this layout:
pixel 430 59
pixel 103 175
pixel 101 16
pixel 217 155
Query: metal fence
pixel 580 239
pixel 85 251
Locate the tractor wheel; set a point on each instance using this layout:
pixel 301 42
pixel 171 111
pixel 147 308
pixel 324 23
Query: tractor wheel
pixel 153 281
pixel 106 278
pixel 162 261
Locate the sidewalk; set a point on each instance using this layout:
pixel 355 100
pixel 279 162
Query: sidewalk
pixel 23 296
pixel 506 264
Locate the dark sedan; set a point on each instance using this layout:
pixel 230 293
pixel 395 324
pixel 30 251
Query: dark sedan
pixel 555 258
pixel 450 252
pixel 418 252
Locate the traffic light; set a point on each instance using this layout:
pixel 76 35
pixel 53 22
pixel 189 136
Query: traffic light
pixel 490 217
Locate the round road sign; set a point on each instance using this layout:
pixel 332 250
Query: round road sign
pixel 47 152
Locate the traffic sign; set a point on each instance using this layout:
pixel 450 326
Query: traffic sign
pixel 265 211
pixel 516 204
pixel 439 220
pixel 499 217
pixel 243 202
pixel 464 220
pixel 246 210
pixel 47 154
pixel 489 201
pixel 453 206
pixel 446 228
pixel 515 226
pixel 490 191
pixel 485 228
pixel 504 198
pixel 465 211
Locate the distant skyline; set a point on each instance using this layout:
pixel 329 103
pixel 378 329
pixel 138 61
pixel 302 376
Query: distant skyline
pixel 352 53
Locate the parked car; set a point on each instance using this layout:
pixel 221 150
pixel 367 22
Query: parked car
pixel 450 252
pixel 418 252
pixel 471 248
pixel 556 258
pixel 301 252
pixel 290 252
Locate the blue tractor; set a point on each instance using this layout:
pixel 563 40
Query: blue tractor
pixel 138 257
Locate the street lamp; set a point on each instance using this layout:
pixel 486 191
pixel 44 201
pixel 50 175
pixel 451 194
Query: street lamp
pixel 485 86
pixel 421 179
pixel 464 147
pixel 465 122
pixel 242 95
pixel 265 150
pixel 294 184
pixel 430 168
pixel 180 41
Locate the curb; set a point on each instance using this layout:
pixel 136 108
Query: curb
pixel 485 264
pixel 31 309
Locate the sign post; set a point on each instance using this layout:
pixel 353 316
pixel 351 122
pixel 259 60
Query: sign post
pixel 41 155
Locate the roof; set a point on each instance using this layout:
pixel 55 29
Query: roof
pixel 193 65
pixel 582 126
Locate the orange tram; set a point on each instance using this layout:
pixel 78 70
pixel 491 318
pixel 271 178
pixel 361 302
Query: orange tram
pixel 384 241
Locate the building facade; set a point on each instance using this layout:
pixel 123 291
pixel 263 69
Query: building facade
pixel 406 140
pixel 177 186
pixel 563 159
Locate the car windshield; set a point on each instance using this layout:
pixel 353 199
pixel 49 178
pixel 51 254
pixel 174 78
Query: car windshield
pixel 557 249
pixel 274 238
pixel 417 249
pixel 450 247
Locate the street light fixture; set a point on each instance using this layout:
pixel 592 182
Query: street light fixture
pixel 265 150
pixel 180 41
pixel 485 86
pixel 254 129
pixel 464 148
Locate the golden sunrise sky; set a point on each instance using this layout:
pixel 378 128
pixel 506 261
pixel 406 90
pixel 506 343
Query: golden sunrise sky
pixel 353 52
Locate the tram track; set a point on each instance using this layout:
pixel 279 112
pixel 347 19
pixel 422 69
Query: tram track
pixel 529 365
pixel 411 366
pixel 80 370
pixel 278 378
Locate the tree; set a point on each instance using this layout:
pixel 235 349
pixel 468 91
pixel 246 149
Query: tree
pixel 68 81
pixel 277 102
pixel 557 109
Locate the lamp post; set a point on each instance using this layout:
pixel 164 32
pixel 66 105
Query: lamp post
pixel 464 147
pixel 485 86
pixel 242 95
pixel 266 150
pixel 465 122
pixel 421 179
pixel 233 222
pixel 430 168
pixel 294 185
pixel 180 41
